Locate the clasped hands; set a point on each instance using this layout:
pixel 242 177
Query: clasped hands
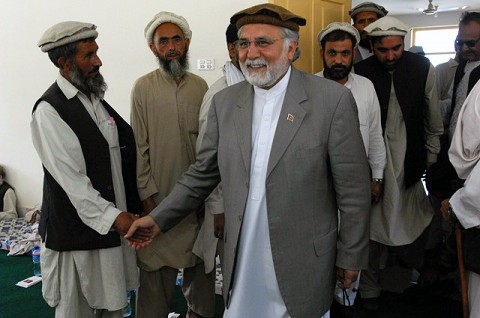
pixel 143 230
pixel 138 231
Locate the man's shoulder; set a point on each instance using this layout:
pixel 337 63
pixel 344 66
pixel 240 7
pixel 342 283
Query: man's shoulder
pixel 442 67
pixel 316 84
pixel 147 78
pixel 361 80
pixel 367 66
pixel 306 77
pixel 217 86
pixel 415 60
pixel 196 78
pixel 232 90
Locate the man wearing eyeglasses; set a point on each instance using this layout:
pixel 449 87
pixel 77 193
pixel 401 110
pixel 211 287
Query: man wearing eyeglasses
pixel 165 105
pixel 288 150
pixel 442 180
pixel 468 72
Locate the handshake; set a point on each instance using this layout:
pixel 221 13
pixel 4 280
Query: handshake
pixel 138 231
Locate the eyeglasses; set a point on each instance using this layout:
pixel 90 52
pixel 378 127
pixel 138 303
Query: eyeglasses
pixel 261 43
pixel 469 43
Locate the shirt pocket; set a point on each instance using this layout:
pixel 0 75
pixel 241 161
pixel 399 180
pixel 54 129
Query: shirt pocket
pixel 109 131
pixel 192 119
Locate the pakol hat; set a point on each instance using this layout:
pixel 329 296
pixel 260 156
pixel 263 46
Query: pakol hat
pixel 368 7
pixel 167 17
pixel 387 26
pixel 268 13
pixel 339 26
pixel 65 33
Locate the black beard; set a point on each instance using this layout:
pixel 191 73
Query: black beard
pixel 336 72
pixel 176 67
pixel 88 85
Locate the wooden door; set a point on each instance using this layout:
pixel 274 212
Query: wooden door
pixel 319 13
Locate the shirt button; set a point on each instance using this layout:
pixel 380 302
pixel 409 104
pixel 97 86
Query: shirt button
pixel 240 218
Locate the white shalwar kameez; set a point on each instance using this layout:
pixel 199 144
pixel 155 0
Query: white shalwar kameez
pixel 255 291
pixel 403 213
pixel 464 154
pixel 97 278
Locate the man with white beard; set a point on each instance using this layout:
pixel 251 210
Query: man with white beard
pixel 288 150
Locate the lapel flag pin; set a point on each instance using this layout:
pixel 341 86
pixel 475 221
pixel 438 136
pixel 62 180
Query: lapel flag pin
pixel 290 117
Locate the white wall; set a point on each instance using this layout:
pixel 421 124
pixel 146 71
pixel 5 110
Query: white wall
pixel 26 72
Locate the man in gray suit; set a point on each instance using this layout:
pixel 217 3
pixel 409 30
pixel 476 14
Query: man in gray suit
pixel 287 147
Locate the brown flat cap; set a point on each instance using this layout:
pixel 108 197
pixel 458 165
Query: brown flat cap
pixel 268 13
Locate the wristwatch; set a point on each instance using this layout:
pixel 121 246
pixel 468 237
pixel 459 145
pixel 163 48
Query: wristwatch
pixel 378 180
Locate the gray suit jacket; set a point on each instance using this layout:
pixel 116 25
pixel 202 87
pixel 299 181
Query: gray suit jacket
pixel 317 170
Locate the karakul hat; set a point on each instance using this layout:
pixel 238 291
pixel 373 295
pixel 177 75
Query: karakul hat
pixel 268 13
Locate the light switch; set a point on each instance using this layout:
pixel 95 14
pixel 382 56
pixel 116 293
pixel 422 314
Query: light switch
pixel 206 64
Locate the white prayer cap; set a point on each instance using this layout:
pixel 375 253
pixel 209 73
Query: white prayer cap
pixel 167 17
pixel 339 26
pixel 387 26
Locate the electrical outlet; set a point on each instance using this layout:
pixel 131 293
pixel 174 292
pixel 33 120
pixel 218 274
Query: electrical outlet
pixel 207 64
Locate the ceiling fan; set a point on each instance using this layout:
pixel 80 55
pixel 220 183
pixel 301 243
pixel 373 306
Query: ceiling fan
pixel 431 9
pixel 434 10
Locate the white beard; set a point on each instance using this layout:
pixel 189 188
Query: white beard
pixel 271 75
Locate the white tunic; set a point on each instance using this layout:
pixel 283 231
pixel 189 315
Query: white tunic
pixel 104 274
pixel 405 213
pixel 368 107
pixel 255 291
pixel 464 154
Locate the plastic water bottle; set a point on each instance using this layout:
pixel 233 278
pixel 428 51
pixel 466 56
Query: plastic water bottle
pixel 37 271
pixel 127 311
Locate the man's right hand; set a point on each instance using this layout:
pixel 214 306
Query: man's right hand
pixel 146 223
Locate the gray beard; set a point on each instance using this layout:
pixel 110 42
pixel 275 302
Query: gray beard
pixel 176 68
pixel 88 85
pixel 272 75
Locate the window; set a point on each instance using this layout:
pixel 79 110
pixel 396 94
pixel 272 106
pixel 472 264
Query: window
pixel 437 42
